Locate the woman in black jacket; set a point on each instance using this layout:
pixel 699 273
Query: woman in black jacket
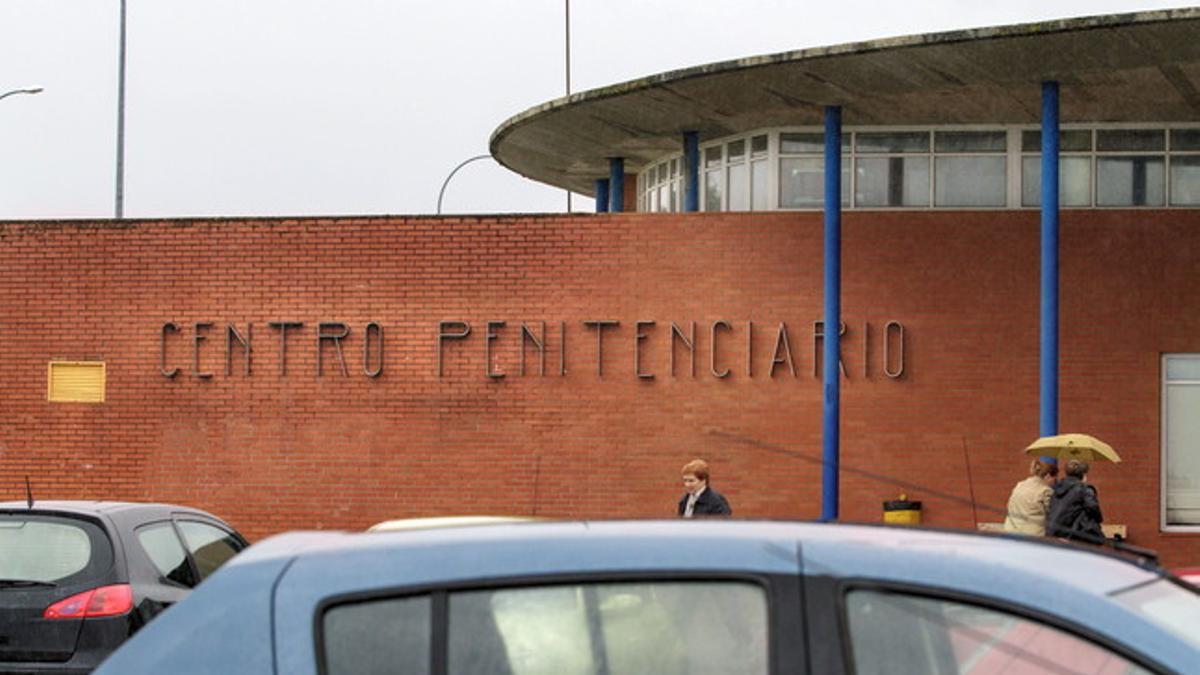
pixel 1074 507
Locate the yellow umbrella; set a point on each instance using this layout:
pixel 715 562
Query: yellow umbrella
pixel 1073 446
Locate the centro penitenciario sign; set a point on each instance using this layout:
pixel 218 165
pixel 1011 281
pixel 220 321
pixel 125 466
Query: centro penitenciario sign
pixel 720 347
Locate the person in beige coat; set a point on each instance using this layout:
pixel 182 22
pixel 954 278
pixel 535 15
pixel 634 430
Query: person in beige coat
pixel 1030 499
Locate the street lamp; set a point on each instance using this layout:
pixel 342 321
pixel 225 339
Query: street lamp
pixel 14 92
pixel 447 181
pixel 120 196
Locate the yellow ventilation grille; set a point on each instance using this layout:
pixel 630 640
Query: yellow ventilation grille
pixel 79 381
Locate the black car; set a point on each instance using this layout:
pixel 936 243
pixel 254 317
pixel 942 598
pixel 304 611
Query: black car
pixel 78 578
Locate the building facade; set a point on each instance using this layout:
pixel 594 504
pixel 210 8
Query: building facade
pixel 332 373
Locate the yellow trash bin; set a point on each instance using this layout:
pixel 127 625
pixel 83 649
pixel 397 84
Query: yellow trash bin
pixel 902 511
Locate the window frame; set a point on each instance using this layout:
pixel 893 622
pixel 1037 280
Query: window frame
pixel 1077 630
pixel 1164 525
pixel 782 592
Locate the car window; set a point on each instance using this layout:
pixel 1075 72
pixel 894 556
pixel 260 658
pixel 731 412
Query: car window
pixel 614 628
pixel 893 632
pixel 210 546
pixel 377 637
pixel 51 550
pixel 162 545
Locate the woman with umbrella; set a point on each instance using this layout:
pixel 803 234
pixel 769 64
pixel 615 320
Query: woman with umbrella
pixel 1074 506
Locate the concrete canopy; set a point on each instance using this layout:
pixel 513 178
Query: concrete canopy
pixel 1141 67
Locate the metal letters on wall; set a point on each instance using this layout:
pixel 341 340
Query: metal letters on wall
pixel 888 351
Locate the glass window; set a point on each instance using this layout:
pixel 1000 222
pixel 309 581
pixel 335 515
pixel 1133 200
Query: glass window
pixel 210 546
pixel 970 141
pixel 906 141
pixel 1185 139
pixel 758 146
pixel 1129 140
pixel 1069 140
pixel 970 181
pixel 1130 180
pixel 164 549
pixel 615 628
pixel 664 197
pixel 802 182
pixel 797 143
pixel 712 156
pixel 1185 180
pixel 737 151
pixel 900 633
pixel 739 189
pixel 712 190
pixel 758 185
pixel 378 637
pixel 1074 180
pixel 44 549
pixel 891 181
pixel 1181 438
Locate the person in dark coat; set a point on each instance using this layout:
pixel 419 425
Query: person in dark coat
pixel 700 500
pixel 1074 507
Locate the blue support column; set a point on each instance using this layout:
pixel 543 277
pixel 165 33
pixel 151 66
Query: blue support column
pixel 601 195
pixel 833 313
pixel 1048 425
pixel 691 168
pixel 616 184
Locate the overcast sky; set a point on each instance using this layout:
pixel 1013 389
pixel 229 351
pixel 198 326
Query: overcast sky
pixel 316 107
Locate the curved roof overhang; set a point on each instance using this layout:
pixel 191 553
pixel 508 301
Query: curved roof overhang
pixel 1142 67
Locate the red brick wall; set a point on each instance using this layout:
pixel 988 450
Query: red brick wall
pixel 272 452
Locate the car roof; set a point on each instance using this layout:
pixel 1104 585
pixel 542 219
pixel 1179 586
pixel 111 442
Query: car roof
pixel 278 586
pixel 85 507
pixel 442 521
pixel 838 548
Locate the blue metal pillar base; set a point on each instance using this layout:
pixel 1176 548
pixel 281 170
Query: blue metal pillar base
pixel 601 195
pixel 616 184
pixel 691 168
pixel 833 310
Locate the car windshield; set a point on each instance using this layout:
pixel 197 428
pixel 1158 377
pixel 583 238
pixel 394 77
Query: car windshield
pixel 46 550
pixel 1168 604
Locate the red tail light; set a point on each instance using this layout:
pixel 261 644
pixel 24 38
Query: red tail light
pixel 104 601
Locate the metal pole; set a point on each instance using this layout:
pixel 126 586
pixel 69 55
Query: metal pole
pixel 831 369
pixel 568 62
pixel 1048 425
pixel 691 167
pixel 454 171
pixel 616 184
pixel 601 195
pixel 120 197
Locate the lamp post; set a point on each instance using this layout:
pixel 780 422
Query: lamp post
pixel 120 196
pixel 567 34
pixel 454 171
pixel 28 90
